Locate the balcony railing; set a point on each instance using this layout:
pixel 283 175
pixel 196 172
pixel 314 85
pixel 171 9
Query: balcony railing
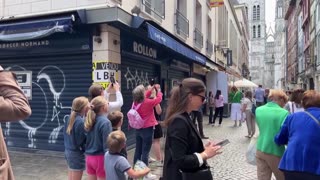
pixel 182 24
pixel 209 48
pixel 151 9
pixel 198 38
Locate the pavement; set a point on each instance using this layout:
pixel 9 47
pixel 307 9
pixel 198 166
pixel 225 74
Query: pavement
pixel 230 165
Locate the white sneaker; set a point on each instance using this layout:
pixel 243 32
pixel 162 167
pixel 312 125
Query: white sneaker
pixel 151 160
pixel 150 176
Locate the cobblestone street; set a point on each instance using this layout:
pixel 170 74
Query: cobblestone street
pixel 231 164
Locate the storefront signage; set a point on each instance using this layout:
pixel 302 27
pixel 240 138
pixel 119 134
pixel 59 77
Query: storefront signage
pixel 24 79
pixel 180 65
pixel 162 38
pixel 77 41
pixel 103 71
pixel 144 50
pixel 136 45
pixel 229 58
pixel 198 69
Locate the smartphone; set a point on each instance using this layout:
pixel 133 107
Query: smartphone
pixel 223 143
pixel 112 80
pixel 152 82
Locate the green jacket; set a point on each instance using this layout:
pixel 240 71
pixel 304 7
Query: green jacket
pixel 235 97
pixel 270 118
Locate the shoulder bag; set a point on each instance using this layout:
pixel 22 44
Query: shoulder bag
pixel 312 117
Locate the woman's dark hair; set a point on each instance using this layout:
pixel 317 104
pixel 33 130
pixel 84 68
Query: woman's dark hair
pixel 218 93
pixel 178 101
pixel 248 94
pixel 311 98
pixel 210 93
pixel 297 95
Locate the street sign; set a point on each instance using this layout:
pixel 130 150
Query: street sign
pixel 24 79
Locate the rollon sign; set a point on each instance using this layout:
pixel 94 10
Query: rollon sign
pixel 144 50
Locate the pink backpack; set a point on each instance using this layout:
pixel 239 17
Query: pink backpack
pixel 135 120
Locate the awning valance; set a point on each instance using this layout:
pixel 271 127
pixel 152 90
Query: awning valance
pixel 34 29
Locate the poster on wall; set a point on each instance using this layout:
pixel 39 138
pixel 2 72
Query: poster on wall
pixel 24 79
pixel 102 71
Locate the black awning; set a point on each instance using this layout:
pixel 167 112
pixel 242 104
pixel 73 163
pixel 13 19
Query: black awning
pixel 35 29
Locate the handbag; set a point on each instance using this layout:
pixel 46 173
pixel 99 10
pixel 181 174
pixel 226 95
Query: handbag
pixel 5 166
pixel 203 174
pixel 251 151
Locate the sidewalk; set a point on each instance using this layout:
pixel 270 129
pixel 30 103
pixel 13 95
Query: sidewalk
pixel 48 165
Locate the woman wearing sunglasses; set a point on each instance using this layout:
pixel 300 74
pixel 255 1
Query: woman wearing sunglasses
pixel 184 150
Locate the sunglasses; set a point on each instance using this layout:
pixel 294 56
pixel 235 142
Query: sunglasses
pixel 202 97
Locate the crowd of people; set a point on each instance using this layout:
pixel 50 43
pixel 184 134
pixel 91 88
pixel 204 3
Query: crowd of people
pixel 94 141
pixel 289 130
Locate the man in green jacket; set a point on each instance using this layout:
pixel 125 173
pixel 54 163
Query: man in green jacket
pixel 270 118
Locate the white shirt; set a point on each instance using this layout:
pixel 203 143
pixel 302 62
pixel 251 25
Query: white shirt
pixel 115 105
pixel 248 102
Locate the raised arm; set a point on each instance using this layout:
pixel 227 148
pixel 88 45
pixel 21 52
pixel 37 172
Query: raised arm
pixel 14 105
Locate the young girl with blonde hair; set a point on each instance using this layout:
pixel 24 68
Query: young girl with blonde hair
pixel 75 138
pixel 98 128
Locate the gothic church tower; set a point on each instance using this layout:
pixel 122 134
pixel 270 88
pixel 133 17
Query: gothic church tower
pixel 257 44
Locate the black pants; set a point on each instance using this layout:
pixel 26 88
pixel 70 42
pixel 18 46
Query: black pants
pixel 197 115
pixel 219 111
pixel 291 175
pixel 211 115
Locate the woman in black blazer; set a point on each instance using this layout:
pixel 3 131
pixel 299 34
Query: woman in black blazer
pixel 184 150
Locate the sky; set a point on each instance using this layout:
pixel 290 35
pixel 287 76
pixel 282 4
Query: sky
pixel 270 13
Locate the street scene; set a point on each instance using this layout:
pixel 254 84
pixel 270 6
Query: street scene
pixel 160 89
pixel 230 165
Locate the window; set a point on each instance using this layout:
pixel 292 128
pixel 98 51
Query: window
pixel 246 11
pixel 155 8
pixel 254 13
pixel 258 13
pixel 254 32
pixel 259 31
pixel 279 12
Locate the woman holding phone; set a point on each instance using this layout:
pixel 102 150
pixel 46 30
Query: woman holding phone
pixel 184 150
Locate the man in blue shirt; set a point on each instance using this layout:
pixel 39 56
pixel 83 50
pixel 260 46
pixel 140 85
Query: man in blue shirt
pixel 259 96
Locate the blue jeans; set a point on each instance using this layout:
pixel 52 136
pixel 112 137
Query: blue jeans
pixel 144 139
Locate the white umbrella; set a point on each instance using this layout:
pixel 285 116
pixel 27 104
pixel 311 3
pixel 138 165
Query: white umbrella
pixel 244 83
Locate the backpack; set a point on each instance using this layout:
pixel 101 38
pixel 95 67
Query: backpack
pixel 135 120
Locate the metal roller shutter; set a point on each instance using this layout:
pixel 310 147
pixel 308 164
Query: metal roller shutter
pixel 134 72
pixel 56 81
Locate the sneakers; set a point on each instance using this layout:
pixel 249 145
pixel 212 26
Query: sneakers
pixel 150 176
pixel 156 164
pixel 151 160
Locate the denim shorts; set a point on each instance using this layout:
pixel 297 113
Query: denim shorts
pixel 75 160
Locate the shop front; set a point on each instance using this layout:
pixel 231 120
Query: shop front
pixel 140 62
pixel 52 71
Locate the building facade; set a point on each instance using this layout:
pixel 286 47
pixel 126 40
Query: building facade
pixel 257 30
pixel 59 48
pixel 268 78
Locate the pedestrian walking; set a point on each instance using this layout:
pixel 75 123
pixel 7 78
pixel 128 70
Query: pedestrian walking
pixel 184 150
pixel 247 104
pixel 158 134
pixel 116 119
pixel 269 118
pixel 98 128
pixel 197 119
pixel 14 106
pixel 218 103
pixel 259 95
pixel 211 106
pixel 115 165
pixel 144 136
pixel 295 103
pixel 75 138
pixel 300 132
pixel 236 114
